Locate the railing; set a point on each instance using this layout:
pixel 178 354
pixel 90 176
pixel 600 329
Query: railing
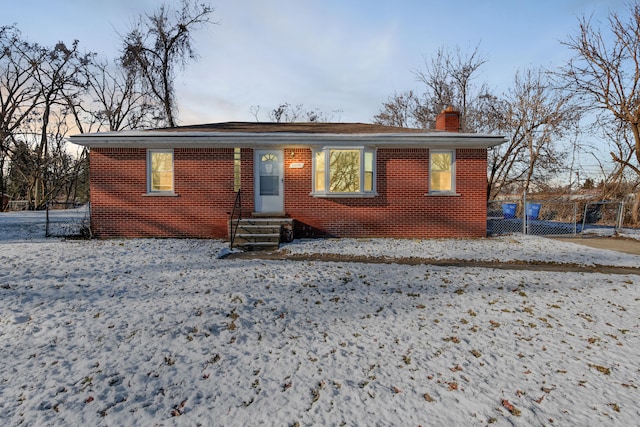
pixel 234 227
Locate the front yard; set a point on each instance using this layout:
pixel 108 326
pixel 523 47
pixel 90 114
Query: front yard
pixel 158 332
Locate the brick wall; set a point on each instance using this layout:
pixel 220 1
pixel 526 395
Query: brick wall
pixel 205 197
pixel 402 207
pixel 203 180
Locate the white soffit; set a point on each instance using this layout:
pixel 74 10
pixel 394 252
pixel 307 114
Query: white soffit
pixel 149 139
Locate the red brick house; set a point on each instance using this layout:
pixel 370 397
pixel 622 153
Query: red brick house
pixel 328 179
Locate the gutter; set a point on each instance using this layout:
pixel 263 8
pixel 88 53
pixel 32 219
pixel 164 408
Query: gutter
pixel 156 139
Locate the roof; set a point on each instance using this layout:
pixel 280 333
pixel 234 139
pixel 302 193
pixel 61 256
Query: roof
pixel 257 134
pixel 309 127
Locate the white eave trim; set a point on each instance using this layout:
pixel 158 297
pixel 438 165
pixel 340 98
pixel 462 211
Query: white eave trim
pixel 151 139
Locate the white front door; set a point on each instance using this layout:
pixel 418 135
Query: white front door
pixel 269 181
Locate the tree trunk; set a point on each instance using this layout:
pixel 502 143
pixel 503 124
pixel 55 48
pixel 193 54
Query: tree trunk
pixel 635 207
pixel 636 203
pixel 2 186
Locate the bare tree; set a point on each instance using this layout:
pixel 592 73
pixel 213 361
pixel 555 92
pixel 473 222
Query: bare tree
pixel 536 116
pixel 158 43
pixel 114 100
pixel 34 85
pixel 19 93
pixel 448 79
pixel 617 183
pixel 319 116
pixel 288 113
pixel 401 110
pixel 255 112
pixel 57 78
pixel 604 72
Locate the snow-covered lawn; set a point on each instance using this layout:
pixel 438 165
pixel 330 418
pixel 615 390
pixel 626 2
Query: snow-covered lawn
pixel 162 332
pixel 513 248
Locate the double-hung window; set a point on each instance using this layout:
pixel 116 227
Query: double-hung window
pixel 442 176
pixel 159 171
pixel 346 172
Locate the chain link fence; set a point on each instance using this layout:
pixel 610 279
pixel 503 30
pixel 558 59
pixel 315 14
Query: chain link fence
pixel 553 217
pixel 505 217
pixel 67 220
pixel 599 217
pixel 17 205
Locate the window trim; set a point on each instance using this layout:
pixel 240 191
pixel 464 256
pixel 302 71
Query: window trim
pixel 452 191
pixel 150 190
pixel 326 151
pixel 237 169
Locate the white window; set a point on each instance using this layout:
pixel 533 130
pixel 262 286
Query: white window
pixel 160 171
pixel 237 169
pixel 344 171
pixel 442 174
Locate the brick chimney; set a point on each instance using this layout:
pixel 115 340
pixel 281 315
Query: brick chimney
pixel 448 120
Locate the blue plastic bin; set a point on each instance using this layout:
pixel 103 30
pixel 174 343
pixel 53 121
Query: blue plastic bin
pixel 509 210
pixel 533 210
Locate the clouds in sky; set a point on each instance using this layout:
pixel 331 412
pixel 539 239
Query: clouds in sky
pixel 330 55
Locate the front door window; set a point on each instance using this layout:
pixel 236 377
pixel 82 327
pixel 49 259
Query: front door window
pixel 269 175
pixel 269 181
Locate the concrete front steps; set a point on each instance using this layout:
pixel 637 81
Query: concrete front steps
pixel 261 233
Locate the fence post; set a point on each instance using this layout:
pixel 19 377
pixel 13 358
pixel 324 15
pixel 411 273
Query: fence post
pixel 524 212
pixel 46 227
pixel 584 217
pixel 620 215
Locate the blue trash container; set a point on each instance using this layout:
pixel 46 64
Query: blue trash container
pixel 533 210
pixel 509 210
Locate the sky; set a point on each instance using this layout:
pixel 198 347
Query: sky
pixel 343 58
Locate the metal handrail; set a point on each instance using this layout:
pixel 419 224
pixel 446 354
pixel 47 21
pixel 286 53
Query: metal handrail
pixel 234 229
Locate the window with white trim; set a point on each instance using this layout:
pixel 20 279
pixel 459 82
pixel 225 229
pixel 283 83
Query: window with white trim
pixel 442 176
pixel 160 171
pixel 348 171
pixel 237 169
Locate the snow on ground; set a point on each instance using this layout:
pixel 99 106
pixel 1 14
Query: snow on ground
pixel 162 332
pixel 516 247
pixel 629 233
pixel 18 226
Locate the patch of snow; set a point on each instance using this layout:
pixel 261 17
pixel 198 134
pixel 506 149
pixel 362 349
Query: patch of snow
pixel 629 233
pixel 516 247
pixel 225 252
pixel 31 225
pixel 163 332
